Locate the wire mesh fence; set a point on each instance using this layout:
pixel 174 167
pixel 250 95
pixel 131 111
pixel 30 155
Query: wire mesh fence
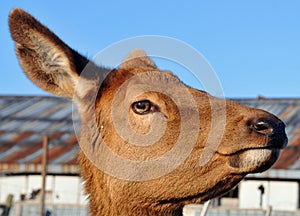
pixel 196 211
pixel 32 209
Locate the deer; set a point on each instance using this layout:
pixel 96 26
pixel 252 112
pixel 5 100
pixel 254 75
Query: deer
pixel 138 178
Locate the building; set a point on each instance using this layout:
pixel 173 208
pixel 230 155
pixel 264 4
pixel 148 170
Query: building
pixel 24 122
pixel 26 119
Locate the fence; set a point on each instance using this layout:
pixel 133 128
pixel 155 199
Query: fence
pixel 196 210
pixel 32 209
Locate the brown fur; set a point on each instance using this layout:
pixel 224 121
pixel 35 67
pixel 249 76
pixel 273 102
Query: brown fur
pixel 251 141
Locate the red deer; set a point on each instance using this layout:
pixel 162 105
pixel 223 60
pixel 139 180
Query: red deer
pixel 251 141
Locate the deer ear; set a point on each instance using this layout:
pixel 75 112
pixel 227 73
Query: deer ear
pixel 137 59
pixel 46 60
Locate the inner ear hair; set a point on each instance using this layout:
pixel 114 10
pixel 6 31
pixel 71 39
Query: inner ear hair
pixel 46 59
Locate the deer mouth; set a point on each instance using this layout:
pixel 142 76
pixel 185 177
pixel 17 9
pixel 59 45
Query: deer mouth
pixel 254 160
pixel 257 159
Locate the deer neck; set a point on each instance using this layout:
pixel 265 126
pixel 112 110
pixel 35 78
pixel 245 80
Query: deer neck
pixel 101 203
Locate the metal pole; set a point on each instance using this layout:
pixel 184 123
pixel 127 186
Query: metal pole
pixel 205 208
pixel 44 175
pixel 269 211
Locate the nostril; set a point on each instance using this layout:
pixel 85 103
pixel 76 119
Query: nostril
pixel 263 127
pixel 271 127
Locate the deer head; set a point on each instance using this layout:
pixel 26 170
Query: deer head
pixel 136 157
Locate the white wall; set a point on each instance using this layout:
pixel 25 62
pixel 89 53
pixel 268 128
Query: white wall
pixel 65 189
pixel 280 195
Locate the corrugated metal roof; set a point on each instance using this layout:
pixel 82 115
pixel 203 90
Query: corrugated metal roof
pixel 24 119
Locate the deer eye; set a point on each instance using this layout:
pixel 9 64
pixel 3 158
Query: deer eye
pixel 141 107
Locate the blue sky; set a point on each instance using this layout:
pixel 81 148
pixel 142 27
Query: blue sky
pixel 253 46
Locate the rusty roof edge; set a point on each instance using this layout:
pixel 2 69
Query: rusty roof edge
pixel 277 174
pixel 67 169
pixel 265 98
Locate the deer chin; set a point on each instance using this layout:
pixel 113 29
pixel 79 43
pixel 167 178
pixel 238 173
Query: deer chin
pixel 254 160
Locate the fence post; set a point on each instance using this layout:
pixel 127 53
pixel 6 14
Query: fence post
pixel 17 206
pixel 269 211
pixel 44 176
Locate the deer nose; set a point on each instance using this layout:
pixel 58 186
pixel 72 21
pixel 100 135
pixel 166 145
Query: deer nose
pixel 273 128
pixel 268 126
